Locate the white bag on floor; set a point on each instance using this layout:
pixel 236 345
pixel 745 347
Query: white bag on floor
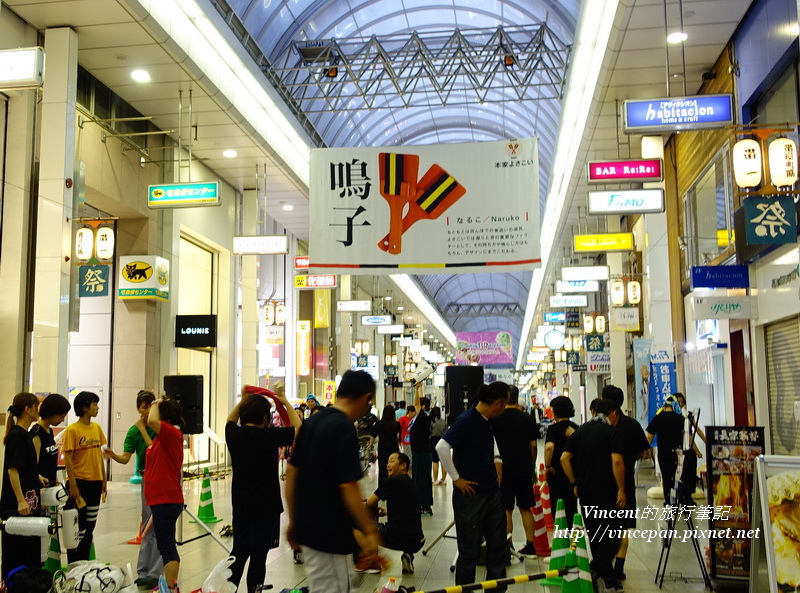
pixel 217 581
pixel 89 577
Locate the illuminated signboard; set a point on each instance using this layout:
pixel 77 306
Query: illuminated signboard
pixel 604 242
pixel 636 201
pixel 576 286
pixel 21 68
pixel 555 317
pixel 353 306
pixel 628 170
pixel 584 273
pixel 574 300
pixel 263 245
pixel 303 348
pixel 183 195
pixel 301 262
pixel 315 281
pixel 678 113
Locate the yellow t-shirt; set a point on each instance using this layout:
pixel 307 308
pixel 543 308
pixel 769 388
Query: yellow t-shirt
pixel 85 442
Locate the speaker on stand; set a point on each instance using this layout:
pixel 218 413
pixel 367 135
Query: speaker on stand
pixel 188 390
pixel 461 389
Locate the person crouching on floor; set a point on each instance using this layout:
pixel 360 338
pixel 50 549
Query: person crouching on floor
pixel 403 527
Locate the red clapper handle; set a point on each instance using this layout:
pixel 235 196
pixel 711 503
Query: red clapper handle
pixel 436 192
pixel 398 184
pixel 278 405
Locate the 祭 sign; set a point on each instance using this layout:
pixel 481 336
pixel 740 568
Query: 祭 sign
pixel 770 221
pixel 678 113
pixel 635 201
pixel 425 209
pixel 627 170
pixel 483 348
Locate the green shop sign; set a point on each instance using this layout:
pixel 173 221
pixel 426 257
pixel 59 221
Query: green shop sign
pixel 183 195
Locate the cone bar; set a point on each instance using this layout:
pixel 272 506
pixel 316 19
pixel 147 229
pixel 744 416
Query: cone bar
pixel 523 578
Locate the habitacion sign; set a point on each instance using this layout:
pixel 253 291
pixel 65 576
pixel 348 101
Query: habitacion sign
pixel 720 277
pixel 638 201
pixel 678 113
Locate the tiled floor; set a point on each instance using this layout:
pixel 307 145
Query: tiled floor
pixel 118 523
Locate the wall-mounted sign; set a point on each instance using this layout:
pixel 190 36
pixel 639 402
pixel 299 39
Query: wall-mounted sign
pixel 584 273
pixel 301 262
pixel 195 331
pixel 315 281
pixel 627 170
pixel 634 201
pixel 264 245
pixel 21 68
pixel 93 281
pixel 390 330
pixel 577 286
pixel 574 300
pixel 143 277
pixel 625 319
pixel 734 307
pixel 555 317
pixel 183 195
pixel 604 242
pixel 303 337
pixel 377 320
pixel 273 335
pixel 598 362
pixel 770 220
pixel 678 113
pixel 720 277
pixel 322 308
pixel 353 306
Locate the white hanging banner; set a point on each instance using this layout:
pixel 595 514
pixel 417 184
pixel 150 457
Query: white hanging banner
pixel 425 209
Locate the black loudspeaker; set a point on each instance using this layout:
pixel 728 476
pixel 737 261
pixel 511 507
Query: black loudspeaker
pixel 461 384
pixel 188 390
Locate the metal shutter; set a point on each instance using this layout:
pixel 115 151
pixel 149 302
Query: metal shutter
pixel 783 384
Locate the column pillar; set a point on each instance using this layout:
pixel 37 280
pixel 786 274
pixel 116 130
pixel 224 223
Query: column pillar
pixel 619 370
pixel 344 337
pixel 247 282
pixel 55 210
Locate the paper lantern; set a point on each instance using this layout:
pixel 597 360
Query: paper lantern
pixel 617 290
pixel 280 314
pixel 600 324
pixel 269 313
pixel 84 244
pixel 588 324
pixel 783 162
pixel 747 163
pixel 634 292
pixel 104 243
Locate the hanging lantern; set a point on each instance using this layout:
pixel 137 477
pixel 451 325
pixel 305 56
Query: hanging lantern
pixel 358 348
pixel 577 343
pixel 84 244
pixel 280 313
pixel 600 324
pixel 394 359
pixel 408 367
pixel 104 243
pixel 782 162
pixel 617 290
pixel 269 313
pixel 588 324
pixel 634 292
pixel 568 344
pixel 387 360
pixel 365 348
pixel 747 163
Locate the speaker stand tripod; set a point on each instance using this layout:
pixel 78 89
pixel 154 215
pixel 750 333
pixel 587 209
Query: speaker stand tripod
pixel 180 541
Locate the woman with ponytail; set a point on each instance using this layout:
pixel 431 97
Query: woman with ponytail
pixel 20 491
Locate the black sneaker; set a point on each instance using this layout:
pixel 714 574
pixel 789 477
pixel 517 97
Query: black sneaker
pixel 146 582
pixel 528 551
pixel 620 576
pixel 297 556
pixel 613 585
pixel 407 561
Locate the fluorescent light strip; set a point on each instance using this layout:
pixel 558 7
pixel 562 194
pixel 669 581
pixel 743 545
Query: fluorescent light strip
pixel 595 27
pixel 416 296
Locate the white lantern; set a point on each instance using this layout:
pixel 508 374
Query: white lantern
pixel 104 243
pixel 365 348
pixel 634 292
pixel 617 290
pixel 387 360
pixel 782 162
pixel 358 348
pixel 588 324
pixel 577 343
pixel 84 244
pixel 600 324
pixel 747 163
pixel 394 359
pixel 568 344
pixel 269 313
pixel 280 314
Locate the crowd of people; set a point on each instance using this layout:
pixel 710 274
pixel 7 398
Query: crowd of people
pixel 489 452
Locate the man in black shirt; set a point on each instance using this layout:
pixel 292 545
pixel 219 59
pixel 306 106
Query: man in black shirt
pixel 420 433
pixel 403 527
pixel 476 469
pixel 667 425
pixel 592 460
pixel 516 435
pixel 322 481
pixel 635 445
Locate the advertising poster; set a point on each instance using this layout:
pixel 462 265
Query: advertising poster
pixel 731 451
pixel 483 348
pixel 663 378
pixel 425 209
pixel 641 375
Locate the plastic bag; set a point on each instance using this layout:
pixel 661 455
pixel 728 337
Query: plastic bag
pixel 89 577
pixel 217 581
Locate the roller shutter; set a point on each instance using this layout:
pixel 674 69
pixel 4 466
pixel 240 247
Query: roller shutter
pixel 783 382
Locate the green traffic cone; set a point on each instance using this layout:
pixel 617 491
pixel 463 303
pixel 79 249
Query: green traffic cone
pixel 560 545
pixel 92 555
pixel 53 562
pixel 206 511
pixel 584 572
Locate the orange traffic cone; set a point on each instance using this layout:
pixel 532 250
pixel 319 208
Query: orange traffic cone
pixel 138 539
pixel 548 512
pixel 540 541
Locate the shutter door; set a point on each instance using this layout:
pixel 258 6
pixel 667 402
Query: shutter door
pixel 783 385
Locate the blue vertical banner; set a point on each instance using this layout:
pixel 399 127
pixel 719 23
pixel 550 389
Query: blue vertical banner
pixel 663 378
pixel 641 375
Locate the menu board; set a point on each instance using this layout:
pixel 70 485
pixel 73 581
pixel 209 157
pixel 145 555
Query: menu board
pixel 731 451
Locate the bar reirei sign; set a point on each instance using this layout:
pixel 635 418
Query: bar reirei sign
pixel 626 170
pixel 671 114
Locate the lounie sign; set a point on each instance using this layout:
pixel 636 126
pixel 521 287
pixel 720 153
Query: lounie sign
pixel 678 113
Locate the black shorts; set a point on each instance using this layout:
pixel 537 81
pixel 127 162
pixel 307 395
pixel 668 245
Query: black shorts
pixel 517 488
pixel 395 540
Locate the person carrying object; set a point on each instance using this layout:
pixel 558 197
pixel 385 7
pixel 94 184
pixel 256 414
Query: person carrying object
pixel 52 412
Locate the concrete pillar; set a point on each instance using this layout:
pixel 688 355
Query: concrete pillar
pixel 344 337
pixel 15 253
pixel 55 210
pixel 619 371
pixel 249 305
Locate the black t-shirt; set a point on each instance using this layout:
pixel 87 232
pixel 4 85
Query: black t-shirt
pixel 472 440
pixel 388 438
pixel 591 446
pixel 513 431
pixel 402 505
pixel 48 453
pixel 254 454
pixel 557 434
pixel 634 443
pixel 420 433
pixel 326 456
pixel 19 454
pixel 668 427
pixel 365 424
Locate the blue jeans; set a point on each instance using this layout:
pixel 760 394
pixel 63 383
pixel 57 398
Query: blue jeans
pixel 480 517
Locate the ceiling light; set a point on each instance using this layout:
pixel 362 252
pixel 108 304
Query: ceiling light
pixel 677 37
pixel 410 317
pixel 140 76
pixel 287 207
pixel 230 154
pixel 387 298
pixel 400 308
